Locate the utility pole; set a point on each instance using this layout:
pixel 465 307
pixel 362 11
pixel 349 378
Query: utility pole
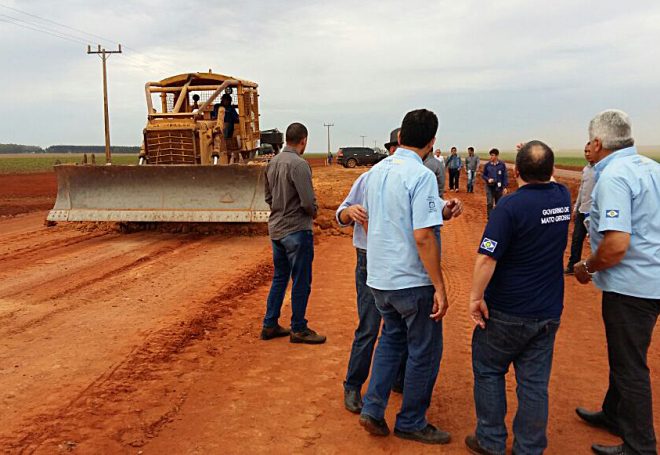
pixel 104 55
pixel 362 140
pixel 328 125
pixel 374 143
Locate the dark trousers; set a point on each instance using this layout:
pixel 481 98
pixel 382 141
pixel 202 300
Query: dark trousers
pixel 292 259
pixel 529 345
pixel 579 234
pixel 366 332
pixel 406 322
pixel 454 174
pixel 629 324
pixel 493 196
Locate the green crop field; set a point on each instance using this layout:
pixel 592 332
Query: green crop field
pixel 43 162
pixel 576 157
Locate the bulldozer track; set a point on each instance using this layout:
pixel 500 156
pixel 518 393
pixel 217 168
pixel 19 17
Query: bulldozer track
pixel 142 364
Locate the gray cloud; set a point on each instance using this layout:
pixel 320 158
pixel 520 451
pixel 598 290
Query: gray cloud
pixel 495 72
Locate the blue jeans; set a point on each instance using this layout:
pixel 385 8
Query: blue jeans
pixel 292 259
pixel 406 322
pixel 470 180
pixel 366 332
pixel 529 345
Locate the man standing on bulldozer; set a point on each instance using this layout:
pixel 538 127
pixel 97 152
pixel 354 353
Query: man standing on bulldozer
pixel 290 195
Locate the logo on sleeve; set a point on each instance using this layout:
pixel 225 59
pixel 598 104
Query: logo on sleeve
pixel 612 214
pixel 432 205
pixel 488 245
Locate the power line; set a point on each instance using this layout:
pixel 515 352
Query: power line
pixel 9 20
pixel 60 34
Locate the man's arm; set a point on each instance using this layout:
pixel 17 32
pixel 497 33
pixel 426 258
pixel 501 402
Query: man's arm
pixel 351 210
pixel 302 180
pixel 268 195
pixel 610 252
pixel 484 267
pixel 505 176
pixel 429 253
pixel 484 174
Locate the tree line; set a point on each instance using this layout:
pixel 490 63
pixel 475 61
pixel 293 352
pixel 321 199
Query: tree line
pixel 98 149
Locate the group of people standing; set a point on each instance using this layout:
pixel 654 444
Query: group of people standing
pixel 494 173
pixel 516 301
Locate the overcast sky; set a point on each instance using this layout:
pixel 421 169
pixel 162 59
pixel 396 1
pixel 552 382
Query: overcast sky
pixel 496 73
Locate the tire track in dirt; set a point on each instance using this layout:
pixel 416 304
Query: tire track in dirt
pixel 47 248
pixel 101 279
pixel 108 395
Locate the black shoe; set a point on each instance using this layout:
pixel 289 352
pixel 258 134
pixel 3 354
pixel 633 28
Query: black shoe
pixel 608 450
pixel 353 401
pixel 427 435
pixel 307 336
pixel 569 270
pixel 268 333
pixel 397 388
pixel 598 419
pixel 374 426
pixel 474 447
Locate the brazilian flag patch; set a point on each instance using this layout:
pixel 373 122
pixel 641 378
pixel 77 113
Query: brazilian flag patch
pixel 488 245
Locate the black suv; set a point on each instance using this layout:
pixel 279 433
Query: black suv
pixel 359 156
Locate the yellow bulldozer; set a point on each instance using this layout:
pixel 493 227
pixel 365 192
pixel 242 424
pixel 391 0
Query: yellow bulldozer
pixel 198 162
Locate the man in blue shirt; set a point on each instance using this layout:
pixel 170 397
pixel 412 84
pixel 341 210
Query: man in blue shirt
pixel 516 301
pixel 625 265
pixel 496 178
pixel 352 212
pixel 454 164
pixel 403 271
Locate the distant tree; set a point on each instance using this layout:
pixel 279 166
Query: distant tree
pixel 18 148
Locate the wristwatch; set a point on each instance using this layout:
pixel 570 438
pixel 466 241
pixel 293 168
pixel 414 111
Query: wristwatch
pixel 586 268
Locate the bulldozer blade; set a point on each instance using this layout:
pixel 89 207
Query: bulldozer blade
pixel 167 193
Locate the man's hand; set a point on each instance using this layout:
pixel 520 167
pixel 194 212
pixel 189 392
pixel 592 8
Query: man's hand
pixel 478 311
pixel 519 146
pixel 505 191
pixel 440 306
pixel 453 208
pixel 491 180
pixel 357 213
pixel 581 273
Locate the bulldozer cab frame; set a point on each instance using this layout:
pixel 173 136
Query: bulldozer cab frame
pixel 187 123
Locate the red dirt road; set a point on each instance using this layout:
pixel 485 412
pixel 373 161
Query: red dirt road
pixel 148 343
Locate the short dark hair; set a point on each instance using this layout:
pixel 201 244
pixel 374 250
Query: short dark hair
pixel 195 97
pixel 295 133
pixel 418 128
pixel 494 152
pixel 535 162
pixel 470 149
pixel 454 148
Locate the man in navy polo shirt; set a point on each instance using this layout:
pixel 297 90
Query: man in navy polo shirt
pixel 516 301
pixel 496 178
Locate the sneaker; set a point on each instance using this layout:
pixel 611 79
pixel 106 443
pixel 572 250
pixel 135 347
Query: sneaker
pixel 569 270
pixel 268 333
pixel 374 426
pixel 307 336
pixel 427 435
